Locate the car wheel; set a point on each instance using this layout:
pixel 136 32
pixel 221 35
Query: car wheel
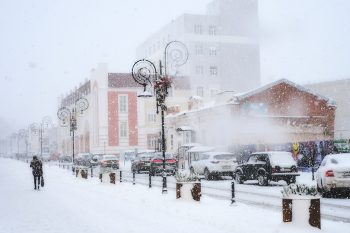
pixel 238 178
pixel 262 180
pixel 192 170
pixel 207 174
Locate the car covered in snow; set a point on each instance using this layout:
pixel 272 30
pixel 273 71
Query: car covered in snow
pixel 95 160
pixel 214 165
pixel 45 157
pixel 334 174
pixel 268 166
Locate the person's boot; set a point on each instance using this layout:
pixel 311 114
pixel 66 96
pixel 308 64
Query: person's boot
pixel 38 188
pixel 34 187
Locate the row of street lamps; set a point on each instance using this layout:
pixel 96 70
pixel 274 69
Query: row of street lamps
pixel 33 129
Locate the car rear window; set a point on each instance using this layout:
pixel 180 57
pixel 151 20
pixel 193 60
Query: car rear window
pixel 160 156
pixel 111 158
pixel 282 158
pixel 225 157
pixel 340 160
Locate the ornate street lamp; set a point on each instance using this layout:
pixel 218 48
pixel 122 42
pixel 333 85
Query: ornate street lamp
pixel 145 73
pixel 36 127
pixel 65 114
pixel 21 135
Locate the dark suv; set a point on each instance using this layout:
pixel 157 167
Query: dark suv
pixel 268 166
pixel 157 163
pixel 141 162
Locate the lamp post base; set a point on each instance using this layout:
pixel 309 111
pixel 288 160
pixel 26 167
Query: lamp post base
pixel 164 190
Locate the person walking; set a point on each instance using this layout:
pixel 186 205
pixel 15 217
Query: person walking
pixel 37 167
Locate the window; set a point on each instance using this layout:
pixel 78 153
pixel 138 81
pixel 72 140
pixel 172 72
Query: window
pixel 152 117
pixel 198 29
pixel 149 51
pixel 168 38
pixel 199 70
pixel 200 91
pixel 163 42
pixel 212 30
pixel 123 129
pixel 152 141
pixel 213 93
pixel 146 53
pixel 186 137
pixel 213 70
pixel 158 45
pixel 154 48
pixel 171 141
pixel 170 92
pixel 122 103
pixel 199 50
pixel 204 135
pixel 212 51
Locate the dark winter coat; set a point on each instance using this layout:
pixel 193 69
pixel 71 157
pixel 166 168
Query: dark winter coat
pixel 37 167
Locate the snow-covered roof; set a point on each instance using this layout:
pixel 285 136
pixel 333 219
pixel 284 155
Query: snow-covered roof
pixel 191 144
pixel 184 128
pixel 244 95
pixel 201 149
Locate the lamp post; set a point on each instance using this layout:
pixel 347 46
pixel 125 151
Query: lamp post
pixel 21 135
pixel 145 73
pixel 64 114
pixel 36 127
pixel 13 137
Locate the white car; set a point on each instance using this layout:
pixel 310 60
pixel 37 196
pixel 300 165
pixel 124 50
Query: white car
pixel 214 164
pixel 333 174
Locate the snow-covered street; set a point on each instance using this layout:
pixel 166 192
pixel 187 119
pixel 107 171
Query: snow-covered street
pixel 68 204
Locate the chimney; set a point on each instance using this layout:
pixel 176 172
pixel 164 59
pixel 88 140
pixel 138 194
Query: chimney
pixel 173 109
pixel 80 84
pixel 86 80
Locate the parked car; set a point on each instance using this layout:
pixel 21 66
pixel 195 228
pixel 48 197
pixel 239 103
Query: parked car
pixel 85 160
pixel 95 160
pixel 214 164
pixel 54 157
pixel 141 162
pixel 156 165
pixel 268 166
pixel 109 161
pixel 79 159
pixel 45 157
pixel 333 176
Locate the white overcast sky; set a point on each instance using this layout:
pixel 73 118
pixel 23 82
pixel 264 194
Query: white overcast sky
pixel 48 47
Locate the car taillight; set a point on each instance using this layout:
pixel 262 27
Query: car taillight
pixel 171 160
pixel 235 161
pixel 156 160
pixel 329 173
pixel 273 170
pixel 118 161
pixel 104 161
pixel 297 169
pixel 141 162
pixel 215 162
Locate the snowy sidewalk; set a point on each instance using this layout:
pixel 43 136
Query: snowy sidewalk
pixel 67 204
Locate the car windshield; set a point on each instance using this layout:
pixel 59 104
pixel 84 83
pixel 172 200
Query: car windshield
pixel 225 157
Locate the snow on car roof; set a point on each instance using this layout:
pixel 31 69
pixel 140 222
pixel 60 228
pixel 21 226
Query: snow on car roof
pixel 201 149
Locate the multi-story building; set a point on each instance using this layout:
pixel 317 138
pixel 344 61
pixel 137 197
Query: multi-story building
pixel 222 45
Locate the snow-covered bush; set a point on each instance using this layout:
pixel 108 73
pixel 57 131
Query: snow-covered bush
pixel 106 170
pixel 186 177
pixel 299 189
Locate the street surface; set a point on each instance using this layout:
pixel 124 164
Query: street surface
pixel 69 204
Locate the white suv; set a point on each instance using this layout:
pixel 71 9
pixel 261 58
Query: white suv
pixel 214 164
